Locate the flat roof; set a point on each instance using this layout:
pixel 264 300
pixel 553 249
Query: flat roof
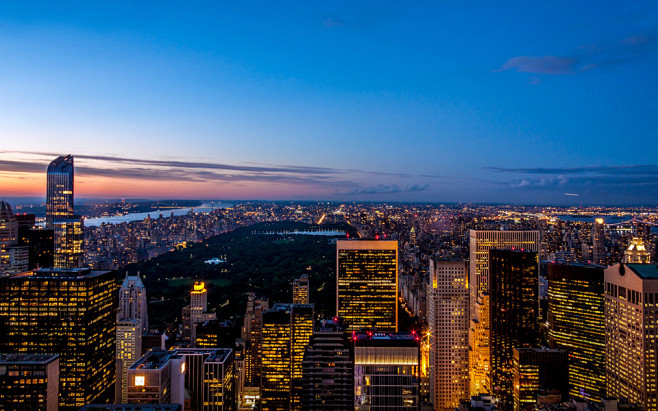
pixel 27 358
pixel 154 360
pixel 61 273
pixel 132 407
pixel 647 271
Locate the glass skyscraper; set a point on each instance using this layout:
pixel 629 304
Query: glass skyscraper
pixel 59 190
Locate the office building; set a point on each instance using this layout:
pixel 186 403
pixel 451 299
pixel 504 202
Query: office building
pixel 386 371
pixel 514 299
pixel 128 350
pixel 300 290
pixel 328 372
pixel 367 284
pixel 480 242
pixel 41 247
pixel 59 190
pixel 132 301
pixel 540 377
pixel 132 407
pixel 197 311
pixel 252 337
pixel 598 242
pixel 29 382
pixel 210 377
pixel 69 241
pixel 576 323
pixel 13 257
pixel 637 252
pixel 214 334
pixel 448 318
pixel 70 312
pixel 631 315
pixel 287 330
pixel 158 377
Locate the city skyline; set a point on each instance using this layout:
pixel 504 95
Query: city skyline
pixel 532 104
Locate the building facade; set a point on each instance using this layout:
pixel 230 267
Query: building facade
pixel 540 377
pixel 157 378
pixel 300 290
pixel 448 318
pixel 70 312
pixel 367 284
pixel 210 377
pixel 29 382
pixel 59 190
pixel 480 242
pixel 631 315
pixel 576 322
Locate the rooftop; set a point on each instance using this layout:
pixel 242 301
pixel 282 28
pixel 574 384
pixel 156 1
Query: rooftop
pixel 154 360
pixel 646 271
pixel 6 359
pixel 132 407
pixel 61 273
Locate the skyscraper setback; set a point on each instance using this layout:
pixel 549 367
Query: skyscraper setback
pixel 366 286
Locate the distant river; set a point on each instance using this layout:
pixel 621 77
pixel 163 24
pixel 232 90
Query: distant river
pixel 203 208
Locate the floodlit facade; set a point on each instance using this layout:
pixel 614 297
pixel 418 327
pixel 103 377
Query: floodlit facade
pixel 196 312
pixel 66 311
pixel 480 242
pixel 29 382
pixel 631 315
pixel 386 371
pixel 367 284
pixel 637 252
pixel 448 317
pixel 576 322
pixel 514 289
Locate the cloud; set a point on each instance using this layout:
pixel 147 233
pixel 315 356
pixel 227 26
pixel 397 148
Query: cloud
pixel 387 189
pixel 331 23
pixel 585 57
pixel 639 169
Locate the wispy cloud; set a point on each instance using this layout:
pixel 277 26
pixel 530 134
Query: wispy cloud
pixel 331 23
pixel 387 189
pixel 585 57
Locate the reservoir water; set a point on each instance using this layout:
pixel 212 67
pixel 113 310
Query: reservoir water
pixel 203 208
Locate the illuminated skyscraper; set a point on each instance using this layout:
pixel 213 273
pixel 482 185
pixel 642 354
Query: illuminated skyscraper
pixel 367 284
pixel 448 317
pixel 69 241
pixel 576 323
pixel 59 190
pixel 598 241
pixel 480 244
pixel 132 300
pixel 13 257
pixel 70 312
pixel 300 289
pixel 386 371
pixel 252 334
pixel 514 299
pixel 631 315
pixel 287 330
pixel 210 377
pixel 637 252
pixel 157 378
pixel 29 382
pixel 196 312
pixel 128 350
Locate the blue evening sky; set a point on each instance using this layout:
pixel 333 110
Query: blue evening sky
pixel 376 101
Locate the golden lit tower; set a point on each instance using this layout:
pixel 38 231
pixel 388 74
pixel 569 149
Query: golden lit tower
pixel 631 315
pixel 598 241
pixel 300 289
pixel 481 241
pixel 637 252
pixel 448 317
pixel 367 284
pixel 287 330
pixel 70 312
pixel 576 323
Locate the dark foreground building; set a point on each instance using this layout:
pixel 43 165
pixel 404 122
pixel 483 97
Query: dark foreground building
pixel 70 312
pixel 29 382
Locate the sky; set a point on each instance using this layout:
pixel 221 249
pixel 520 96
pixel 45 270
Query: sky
pixel 496 102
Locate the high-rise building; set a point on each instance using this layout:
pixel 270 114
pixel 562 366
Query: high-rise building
pixel 13 257
pixel 598 242
pixel 300 290
pixel 128 350
pixel 197 311
pixel 637 252
pixel 68 228
pixel 40 243
pixel 631 315
pixel 132 301
pixel 287 330
pixel 480 242
pixel 540 377
pixel 514 299
pixel 29 382
pixel 386 371
pixel 448 317
pixel 328 372
pixel 70 312
pixel 214 334
pixel 252 335
pixel 209 377
pixel 576 322
pixel 158 377
pixel 59 190
pixel 367 284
